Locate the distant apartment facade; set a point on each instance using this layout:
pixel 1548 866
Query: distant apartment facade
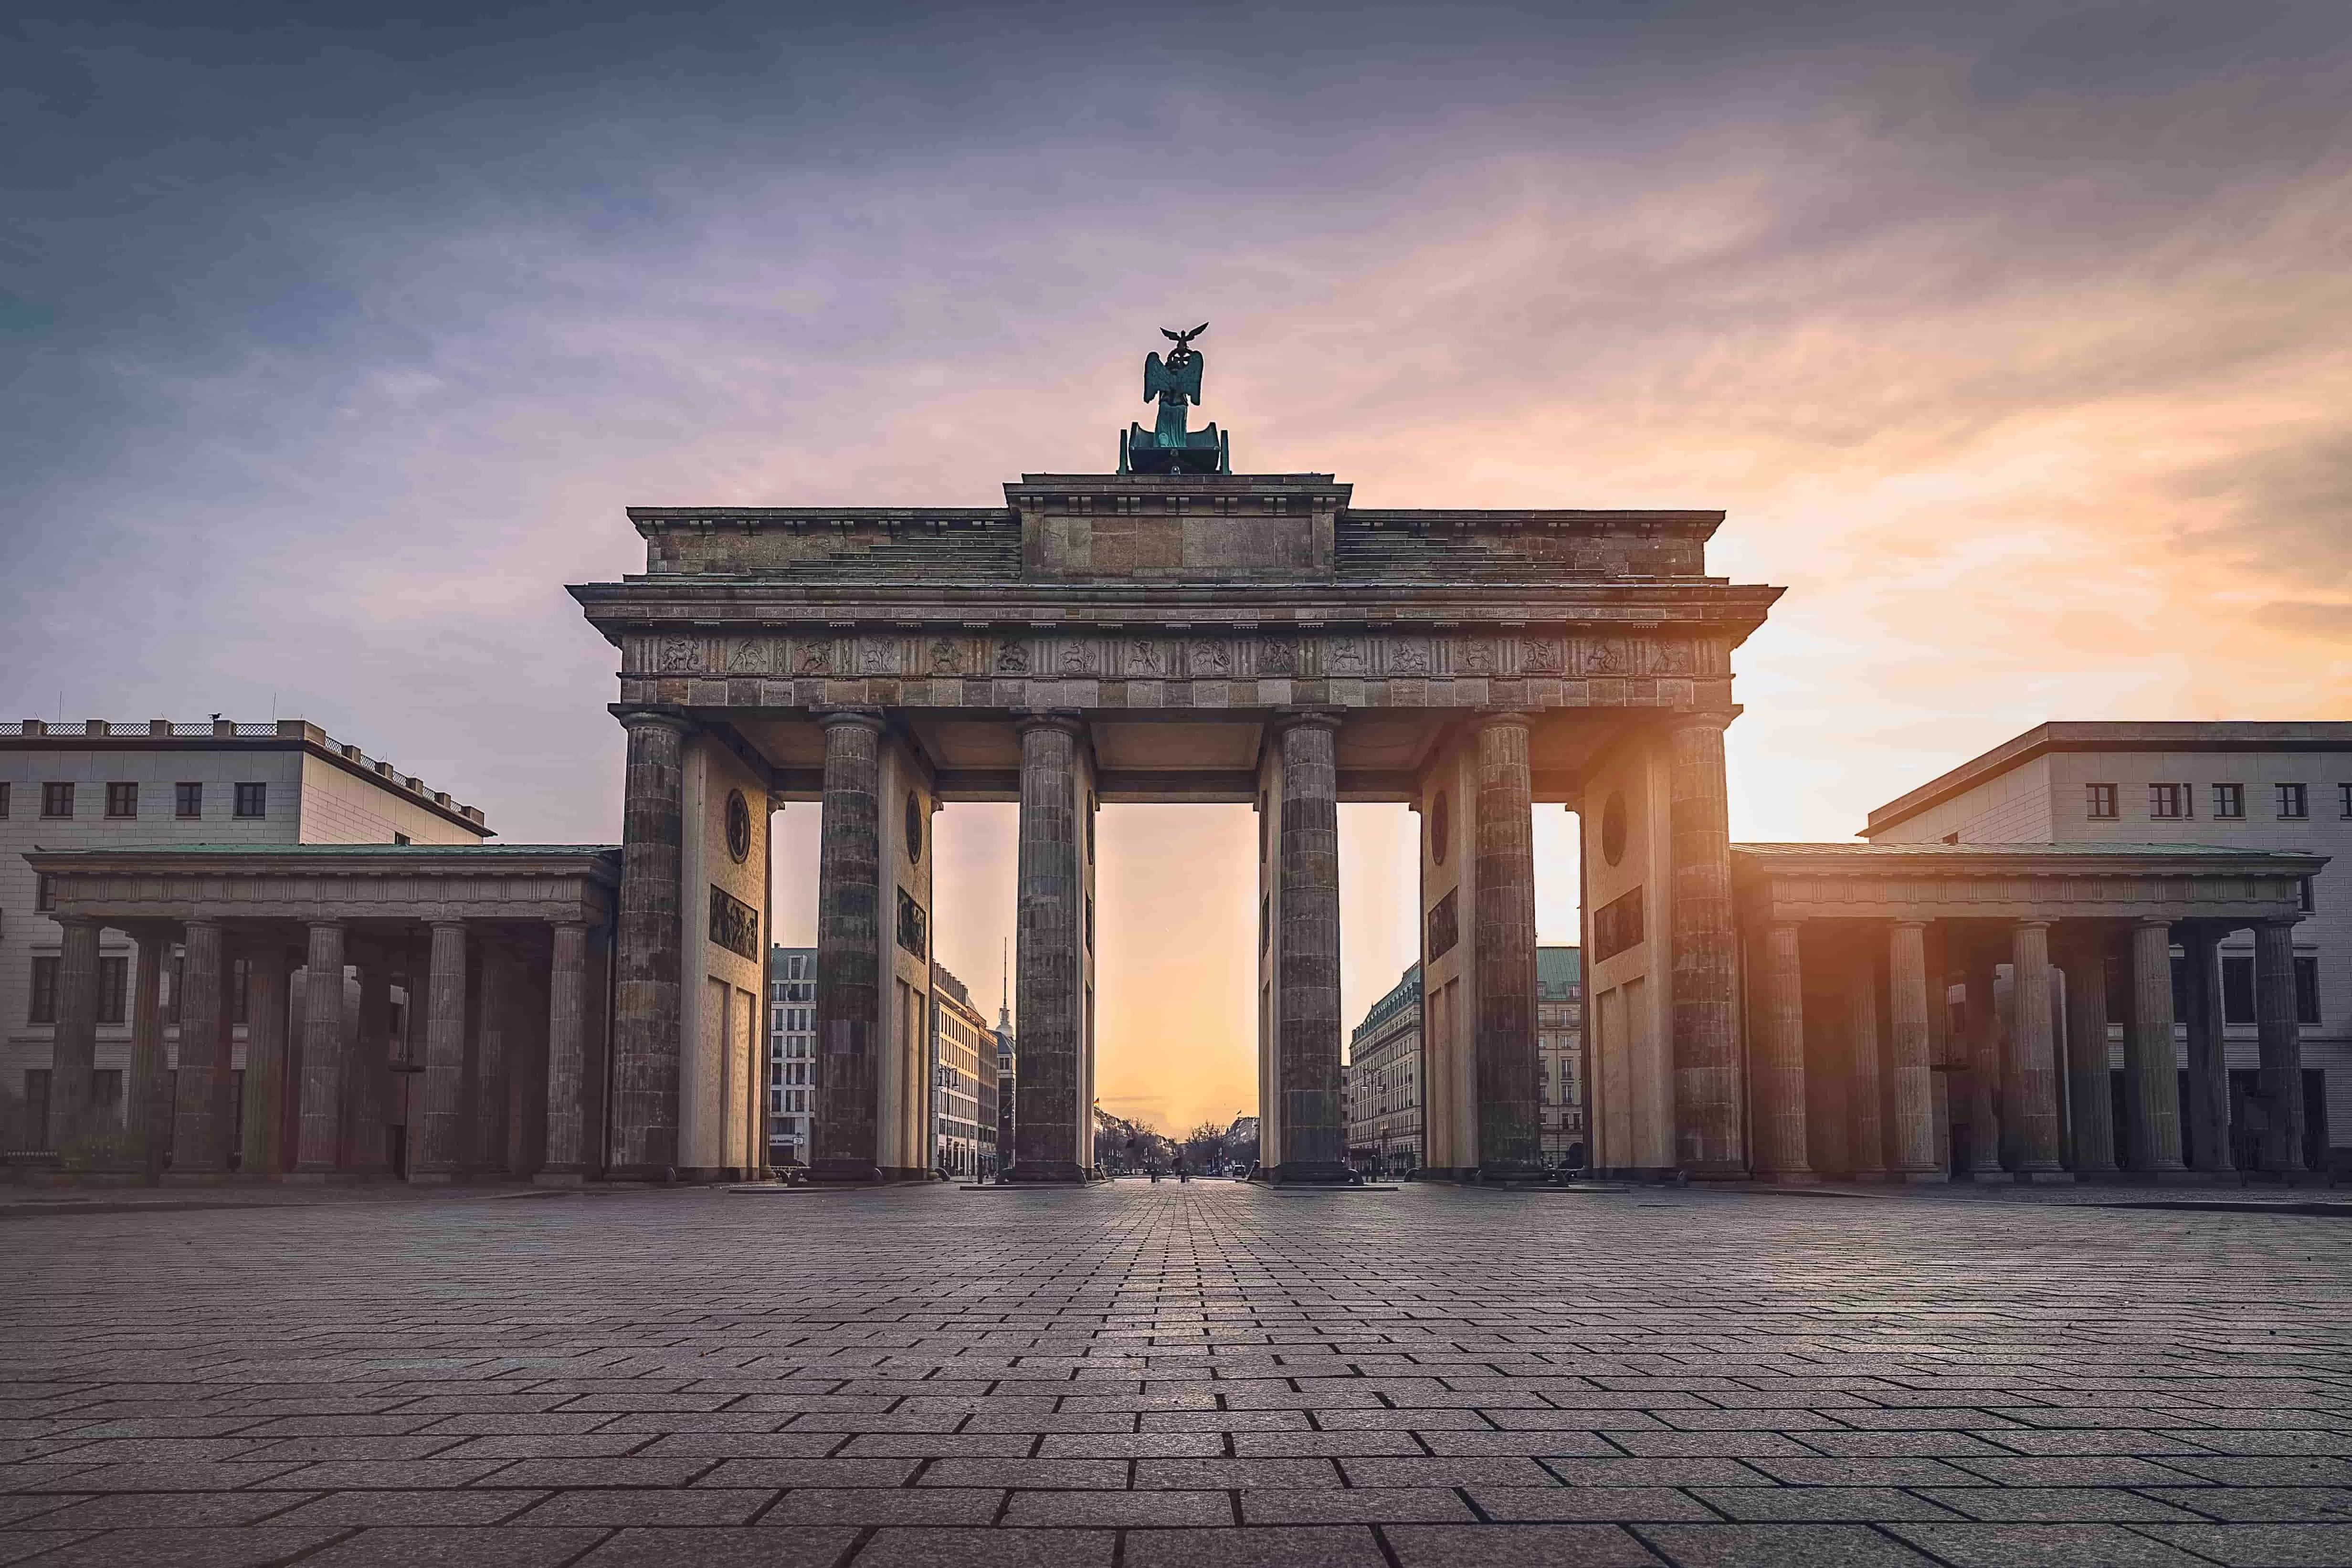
pixel 964 1070
pixel 792 1056
pixel 1382 1084
pixel 2242 785
pixel 96 784
pixel 1560 1050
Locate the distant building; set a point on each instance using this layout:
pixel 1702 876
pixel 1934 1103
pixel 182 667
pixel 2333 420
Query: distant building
pixel 963 1081
pixel 1381 1086
pixel 102 786
pixel 791 1055
pixel 2230 785
pixel 1560 1048
pixel 1381 1082
pixel 1007 1049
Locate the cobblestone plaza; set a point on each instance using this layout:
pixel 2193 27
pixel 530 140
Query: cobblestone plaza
pixel 1201 1375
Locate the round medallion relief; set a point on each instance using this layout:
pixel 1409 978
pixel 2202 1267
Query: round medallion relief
pixel 1441 827
pixel 914 826
pixel 1612 829
pixel 739 825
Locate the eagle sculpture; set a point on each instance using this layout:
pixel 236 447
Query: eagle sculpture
pixel 1169 448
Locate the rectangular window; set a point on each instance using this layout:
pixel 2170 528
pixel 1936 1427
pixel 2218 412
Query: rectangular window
pixel 238 991
pixel 2102 802
pixel 113 985
pixel 187 801
pixel 44 891
pixel 401 841
pixel 2168 800
pixel 57 800
pixel 2229 800
pixel 2306 988
pixel 2343 800
pixel 45 992
pixel 122 799
pixel 4 799
pixel 106 1095
pixel 2294 801
pixel 2302 896
pixel 253 799
pixel 2237 990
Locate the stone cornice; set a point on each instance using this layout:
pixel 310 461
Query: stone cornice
pixel 2017 882
pixel 135 885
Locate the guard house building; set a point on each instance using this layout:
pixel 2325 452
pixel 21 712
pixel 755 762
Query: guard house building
pixel 96 785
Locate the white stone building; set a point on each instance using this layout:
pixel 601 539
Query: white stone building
pixel 99 785
pixel 963 1081
pixel 1382 1082
pixel 2230 785
pixel 791 1055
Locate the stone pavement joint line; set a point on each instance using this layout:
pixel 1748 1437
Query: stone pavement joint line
pixel 1195 1376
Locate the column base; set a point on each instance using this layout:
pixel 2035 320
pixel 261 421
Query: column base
pixel 197 1178
pixel 568 1175
pixel 2052 1177
pixel 1789 1179
pixel 1869 1178
pixel 836 1172
pixel 1309 1173
pixel 1920 1178
pixel 1046 1173
pixel 434 1178
pixel 2165 1178
pixel 2289 1179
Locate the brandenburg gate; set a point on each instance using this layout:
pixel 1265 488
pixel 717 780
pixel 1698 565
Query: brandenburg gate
pixel 1172 630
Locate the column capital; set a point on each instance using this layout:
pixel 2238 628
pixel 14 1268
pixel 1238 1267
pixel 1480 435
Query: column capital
pixel 864 717
pixel 1716 719
pixel 1910 924
pixel 80 922
pixel 334 924
pixel 567 922
pixel 1490 719
pixel 2277 923
pixel 2032 924
pixel 1287 718
pixel 646 716
pixel 1066 720
pixel 458 925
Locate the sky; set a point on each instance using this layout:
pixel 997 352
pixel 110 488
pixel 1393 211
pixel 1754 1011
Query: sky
pixel 2012 338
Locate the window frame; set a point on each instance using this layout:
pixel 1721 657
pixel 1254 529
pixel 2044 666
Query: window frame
pixel 113 989
pixel 2171 803
pixel 2228 802
pixel 41 1000
pixel 52 792
pixel 2306 989
pixel 187 807
pixel 257 793
pixel 4 800
pixel 2293 802
pixel 121 792
pixel 2103 801
pixel 45 893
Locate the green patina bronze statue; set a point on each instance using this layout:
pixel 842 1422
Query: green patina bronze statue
pixel 1168 447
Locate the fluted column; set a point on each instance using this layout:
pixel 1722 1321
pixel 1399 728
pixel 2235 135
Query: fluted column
pixel 567 1053
pixel 494 987
pixel 1314 1138
pixel 648 1017
pixel 2090 1102
pixel 2151 1090
pixel 268 1008
pixel 1706 1052
pixel 1866 1137
pixel 74 1050
pixel 1984 1053
pixel 323 1059
pixel 439 1132
pixel 1779 1063
pixel 202 1111
pixel 1053 1131
pixel 2032 1096
pixel 2208 1070
pixel 366 1146
pixel 2280 1045
pixel 147 1115
pixel 1911 1139
pixel 851 945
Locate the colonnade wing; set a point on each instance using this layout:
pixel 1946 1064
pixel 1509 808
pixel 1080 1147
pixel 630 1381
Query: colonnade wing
pixel 1917 1009
pixel 493 1063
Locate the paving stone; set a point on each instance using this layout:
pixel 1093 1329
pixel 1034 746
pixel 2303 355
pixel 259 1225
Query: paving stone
pixel 1523 1546
pixel 252 1546
pixel 1781 1546
pixel 1217 1372
pixel 722 1548
pixel 457 1547
pixel 917 1548
pixel 2260 1545
pixel 1278 1546
pixel 2039 1545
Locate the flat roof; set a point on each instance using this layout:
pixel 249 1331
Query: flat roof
pixel 2125 735
pixel 277 734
